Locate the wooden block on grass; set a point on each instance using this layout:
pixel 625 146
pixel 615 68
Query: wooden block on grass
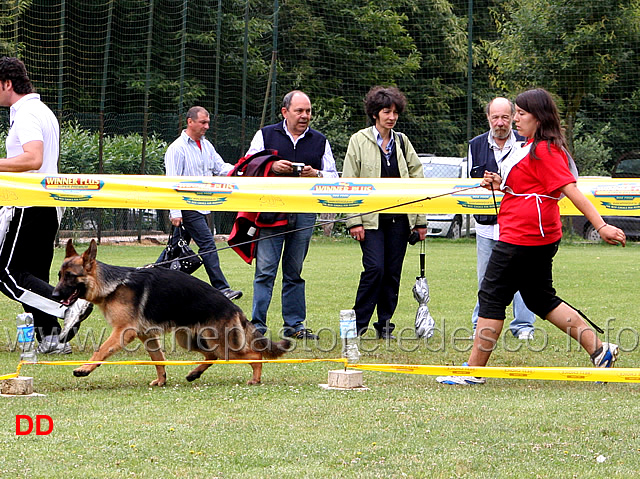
pixel 20 386
pixel 348 379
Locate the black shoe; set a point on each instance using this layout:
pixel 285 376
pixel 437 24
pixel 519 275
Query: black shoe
pixel 385 335
pixel 232 294
pixel 304 334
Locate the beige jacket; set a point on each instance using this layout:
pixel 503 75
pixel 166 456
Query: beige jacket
pixel 363 161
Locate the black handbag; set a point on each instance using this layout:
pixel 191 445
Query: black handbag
pixel 177 255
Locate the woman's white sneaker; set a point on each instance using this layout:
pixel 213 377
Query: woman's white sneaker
pixel 605 356
pixel 461 380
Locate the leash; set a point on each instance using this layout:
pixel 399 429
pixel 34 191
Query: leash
pixel 325 222
pixel 584 316
pixel 493 194
pixel 319 223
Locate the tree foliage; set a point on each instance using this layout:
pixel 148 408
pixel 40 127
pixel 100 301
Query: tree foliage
pixel 569 47
pixel 379 47
pixel 129 64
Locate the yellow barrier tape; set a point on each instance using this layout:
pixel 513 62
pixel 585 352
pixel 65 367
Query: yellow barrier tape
pixel 295 195
pixel 8 376
pixel 186 363
pixel 623 375
pixel 17 373
pixel 169 363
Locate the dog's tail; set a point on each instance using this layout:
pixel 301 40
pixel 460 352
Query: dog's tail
pixel 268 348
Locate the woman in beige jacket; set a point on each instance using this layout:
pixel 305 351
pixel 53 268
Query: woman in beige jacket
pixel 379 152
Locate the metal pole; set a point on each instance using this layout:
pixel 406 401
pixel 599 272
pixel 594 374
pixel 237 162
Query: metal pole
pixel 245 55
pixel 103 96
pixel 103 87
pixel 16 28
pixel 60 74
pixel 470 69
pixel 272 70
pixel 274 56
pixel 145 122
pixel 183 46
pixel 63 6
pixel 266 91
pixel 469 90
pixel 216 96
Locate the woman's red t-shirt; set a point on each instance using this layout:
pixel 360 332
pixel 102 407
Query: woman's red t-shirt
pixel 518 218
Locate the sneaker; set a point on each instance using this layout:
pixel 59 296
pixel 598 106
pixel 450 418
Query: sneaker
pixel 52 345
pixel 525 335
pixel 605 356
pixel 232 294
pixel 304 334
pixel 461 380
pixel 73 316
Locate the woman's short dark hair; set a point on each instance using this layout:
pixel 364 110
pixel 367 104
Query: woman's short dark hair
pixel 540 104
pixel 13 69
pixel 380 97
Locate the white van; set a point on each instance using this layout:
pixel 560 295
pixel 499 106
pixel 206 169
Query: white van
pixel 449 226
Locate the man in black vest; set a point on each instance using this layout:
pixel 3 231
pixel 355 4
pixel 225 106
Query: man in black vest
pixel 486 153
pixel 298 144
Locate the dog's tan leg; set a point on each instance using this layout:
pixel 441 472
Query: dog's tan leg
pixel 257 367
pixel 153 347
pixel 119 339
pixel 257 373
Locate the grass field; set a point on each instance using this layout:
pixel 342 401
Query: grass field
pixel 111 424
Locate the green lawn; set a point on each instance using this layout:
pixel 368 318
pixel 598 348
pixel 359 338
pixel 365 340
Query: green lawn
pixel 111 424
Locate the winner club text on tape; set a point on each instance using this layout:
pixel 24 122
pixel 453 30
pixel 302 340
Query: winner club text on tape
pixel 291 195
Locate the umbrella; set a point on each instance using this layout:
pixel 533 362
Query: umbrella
pixel 425 324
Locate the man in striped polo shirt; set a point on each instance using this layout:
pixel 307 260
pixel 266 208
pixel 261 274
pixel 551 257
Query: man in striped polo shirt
pixel 193 155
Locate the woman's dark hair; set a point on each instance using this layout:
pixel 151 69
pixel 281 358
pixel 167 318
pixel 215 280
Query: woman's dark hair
pixel 540 104
pixel 380 97
pixel 13 69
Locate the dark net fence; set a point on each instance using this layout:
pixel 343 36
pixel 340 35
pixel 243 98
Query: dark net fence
pixel 121 74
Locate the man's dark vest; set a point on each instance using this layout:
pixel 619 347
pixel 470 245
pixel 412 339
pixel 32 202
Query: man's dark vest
pixel 309 149
pixel 483 160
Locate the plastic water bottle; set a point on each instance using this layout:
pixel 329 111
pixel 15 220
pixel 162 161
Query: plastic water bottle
pixel 25 337
pixel 348 335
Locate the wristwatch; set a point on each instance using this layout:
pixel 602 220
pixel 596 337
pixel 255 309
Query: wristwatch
pixel 319 174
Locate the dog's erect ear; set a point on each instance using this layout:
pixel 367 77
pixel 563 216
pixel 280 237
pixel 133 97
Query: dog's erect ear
pixel 71 251
pixel 89 256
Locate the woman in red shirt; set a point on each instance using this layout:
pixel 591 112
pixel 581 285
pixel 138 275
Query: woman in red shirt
pixel 534 178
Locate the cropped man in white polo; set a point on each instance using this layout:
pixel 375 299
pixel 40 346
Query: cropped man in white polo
pixel 26 247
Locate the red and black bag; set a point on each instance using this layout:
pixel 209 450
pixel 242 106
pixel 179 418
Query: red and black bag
pixel 246 227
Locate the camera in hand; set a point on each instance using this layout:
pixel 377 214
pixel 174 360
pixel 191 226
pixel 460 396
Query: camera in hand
pixel 297 168
pixel 414 238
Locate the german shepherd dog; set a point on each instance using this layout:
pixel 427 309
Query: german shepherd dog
pixel 148 302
